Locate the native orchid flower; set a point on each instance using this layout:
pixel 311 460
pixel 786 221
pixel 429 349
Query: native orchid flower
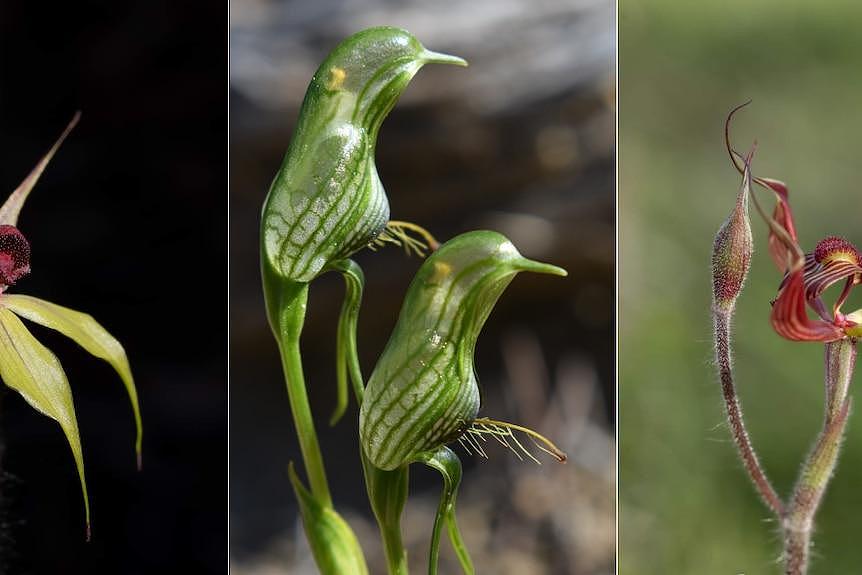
pixel 800 296
pixel 325 203
pixel 424 394
pixel 26 365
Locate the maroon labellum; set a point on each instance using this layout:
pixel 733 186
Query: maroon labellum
pixel 14 255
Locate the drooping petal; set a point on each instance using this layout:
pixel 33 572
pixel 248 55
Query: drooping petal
pixel 32 370
pixel 783 216
pixel 87 333
pixel 12 207
pixel 790 319
pixel 14 255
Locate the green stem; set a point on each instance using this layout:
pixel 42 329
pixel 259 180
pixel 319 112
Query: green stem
pixel 291 312
pixel 387 492
pixel 818 468
pixel 447 463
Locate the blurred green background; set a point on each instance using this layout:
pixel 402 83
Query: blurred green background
pixel 686 504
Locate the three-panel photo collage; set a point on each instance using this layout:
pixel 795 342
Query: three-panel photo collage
pixel 361 287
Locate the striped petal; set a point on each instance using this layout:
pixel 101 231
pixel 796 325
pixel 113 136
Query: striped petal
pixel 789 316
pixel 783 216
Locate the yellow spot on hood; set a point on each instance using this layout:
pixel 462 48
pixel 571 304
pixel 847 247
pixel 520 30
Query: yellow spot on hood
pixel 336 78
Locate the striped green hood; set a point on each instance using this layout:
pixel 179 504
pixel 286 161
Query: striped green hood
pixel 423 392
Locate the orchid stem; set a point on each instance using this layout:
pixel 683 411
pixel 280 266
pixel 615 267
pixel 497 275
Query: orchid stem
pixel 722 315
pixel 290 327
pixel 818 468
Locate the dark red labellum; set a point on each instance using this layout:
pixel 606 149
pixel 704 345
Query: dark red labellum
pixel 14 255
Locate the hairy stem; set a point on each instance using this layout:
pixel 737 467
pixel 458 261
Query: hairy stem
pixel 721 323
pixel 291 320
pixel 818 468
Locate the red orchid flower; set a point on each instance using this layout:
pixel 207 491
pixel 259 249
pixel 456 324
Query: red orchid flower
pixel 806 275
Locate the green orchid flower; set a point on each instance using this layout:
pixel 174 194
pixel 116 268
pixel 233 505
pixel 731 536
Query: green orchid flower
pixel 26 365
pixel 423 393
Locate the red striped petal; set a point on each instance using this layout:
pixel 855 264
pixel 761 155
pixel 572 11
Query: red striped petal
pixel 790 319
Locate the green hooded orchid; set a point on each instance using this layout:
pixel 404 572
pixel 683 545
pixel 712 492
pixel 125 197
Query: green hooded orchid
pixel 325 203
pixel 26 365
pixel 423 393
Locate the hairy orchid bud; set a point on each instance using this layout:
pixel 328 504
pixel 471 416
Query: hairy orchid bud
pixel 423 392
pixel 14 255
pixel 732 248
pixel 327 201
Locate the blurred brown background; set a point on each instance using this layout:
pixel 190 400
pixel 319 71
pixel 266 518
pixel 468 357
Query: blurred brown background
pixel 522 142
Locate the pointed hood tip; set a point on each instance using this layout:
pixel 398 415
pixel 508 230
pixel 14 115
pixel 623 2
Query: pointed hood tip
pixel 528 265
pixel 431 57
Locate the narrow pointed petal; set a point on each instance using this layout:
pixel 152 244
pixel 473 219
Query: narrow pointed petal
pixel 32 370
pixel 9 211
pixel 783 216
pixel 346 353
pixel 790 319
pixel 87 333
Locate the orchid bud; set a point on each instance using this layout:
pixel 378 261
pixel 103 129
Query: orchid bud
pixel 732 248
pixel 327 201
pixel 423 392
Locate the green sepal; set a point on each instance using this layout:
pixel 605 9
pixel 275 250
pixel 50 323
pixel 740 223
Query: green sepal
pixel 333 544
pixel 32 370
pixel 447 463
pixel 87 333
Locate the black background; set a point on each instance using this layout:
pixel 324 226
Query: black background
pixel 128 224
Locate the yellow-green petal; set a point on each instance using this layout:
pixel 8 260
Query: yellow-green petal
pixel 32 370
pixel 86 332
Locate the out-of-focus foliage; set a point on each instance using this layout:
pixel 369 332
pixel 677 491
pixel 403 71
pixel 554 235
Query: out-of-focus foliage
pixel 685 502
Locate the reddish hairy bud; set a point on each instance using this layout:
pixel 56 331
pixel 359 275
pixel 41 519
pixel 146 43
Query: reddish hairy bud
pixel 731 251
pixel 14 255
